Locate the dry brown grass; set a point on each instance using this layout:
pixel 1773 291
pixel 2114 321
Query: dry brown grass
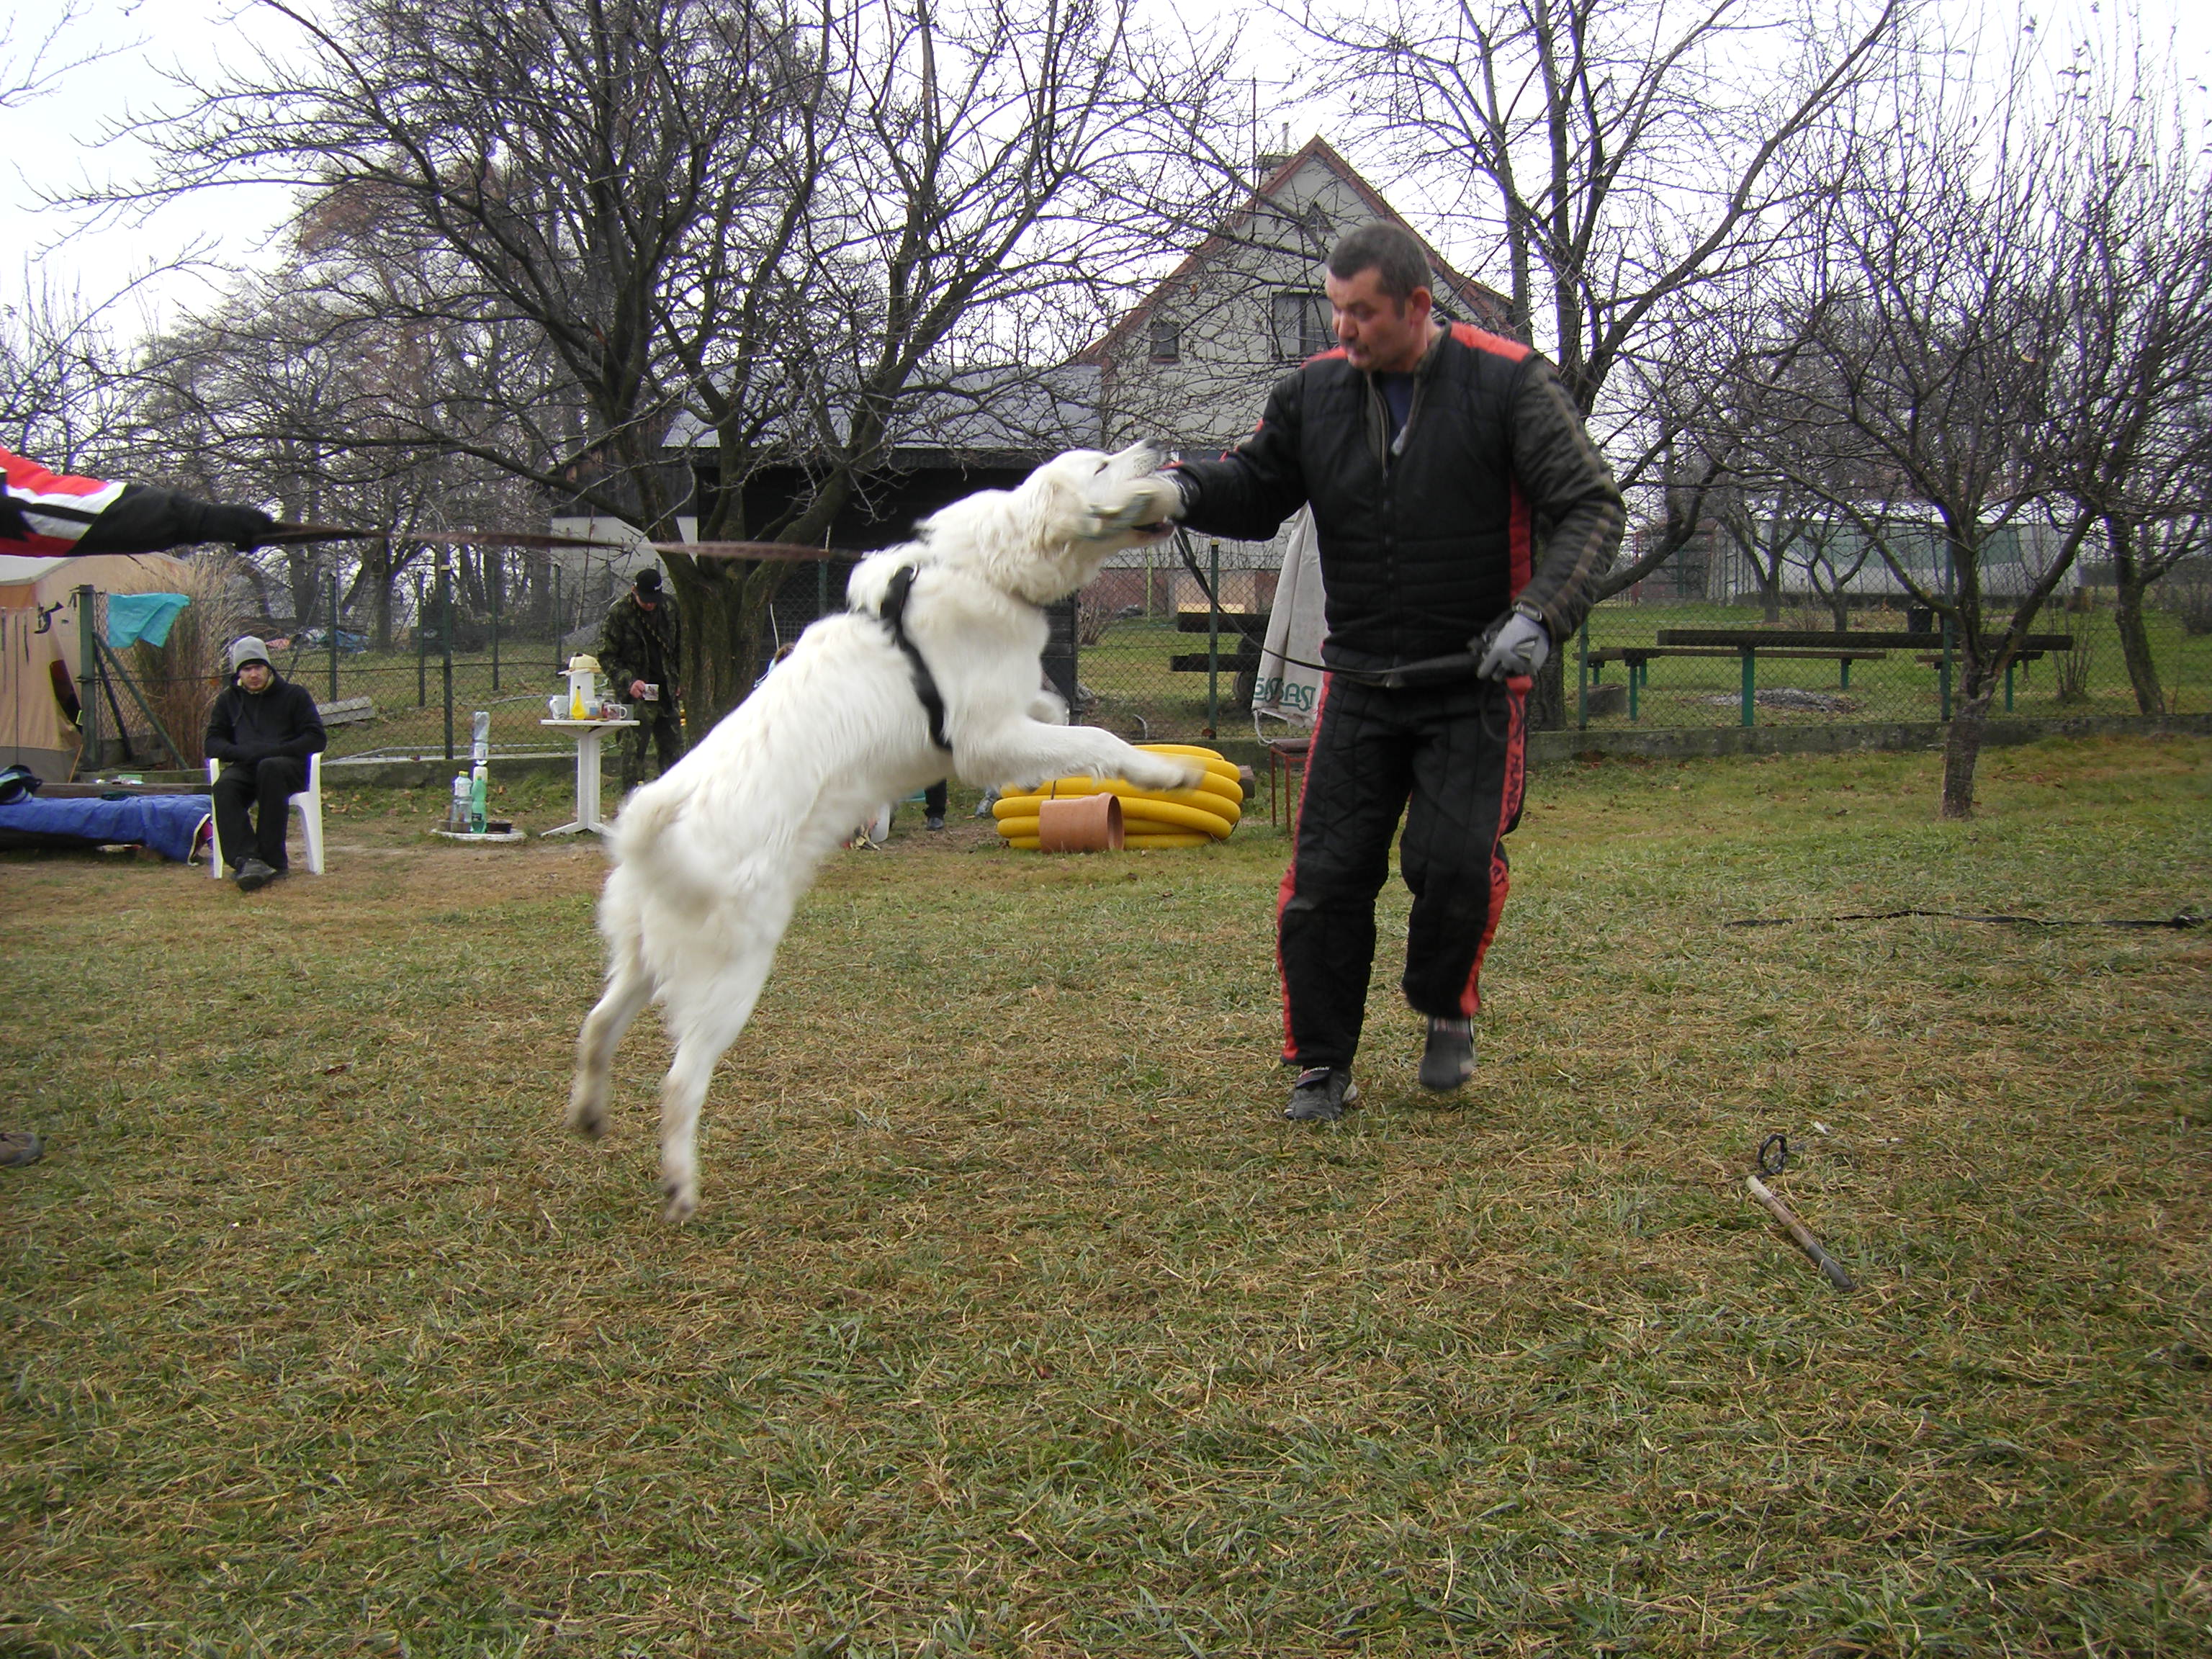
pixel 1017 1322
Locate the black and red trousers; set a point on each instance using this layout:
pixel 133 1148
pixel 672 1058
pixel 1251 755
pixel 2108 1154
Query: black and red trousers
pixel 1448 760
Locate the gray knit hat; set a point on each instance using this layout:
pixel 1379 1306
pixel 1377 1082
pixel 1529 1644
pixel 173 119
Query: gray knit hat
pixel 246 650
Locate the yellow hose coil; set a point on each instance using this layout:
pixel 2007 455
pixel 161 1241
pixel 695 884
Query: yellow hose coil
pixel 1133 799
pixel 1150 817
pixel 1134 843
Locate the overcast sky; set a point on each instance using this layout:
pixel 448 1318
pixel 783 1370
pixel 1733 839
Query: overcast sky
pixel 57 140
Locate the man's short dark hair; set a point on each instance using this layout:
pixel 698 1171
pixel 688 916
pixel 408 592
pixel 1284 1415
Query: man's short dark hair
pixel 1392 251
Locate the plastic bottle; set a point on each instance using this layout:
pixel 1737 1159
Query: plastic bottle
pixel 457 811
pixel 478 786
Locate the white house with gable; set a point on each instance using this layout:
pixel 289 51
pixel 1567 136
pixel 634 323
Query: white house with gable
pixel 1190 366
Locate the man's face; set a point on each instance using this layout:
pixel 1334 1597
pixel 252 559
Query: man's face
pixel 256 676
pixel 1379 334
pixel 647 596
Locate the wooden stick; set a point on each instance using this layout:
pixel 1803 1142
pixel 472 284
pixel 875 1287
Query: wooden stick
pixel 1828 1264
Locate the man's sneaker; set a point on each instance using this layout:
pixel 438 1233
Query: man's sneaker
pixel 1323 1094
pixel 1448 1061
pixel 20 1147
pixel 936 821
pixel 254 875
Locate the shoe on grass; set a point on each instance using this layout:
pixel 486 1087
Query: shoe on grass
pixel 254 875
pixel 936 820
pixel 20 1147
pixel 1323 1094
pixel 1449 1059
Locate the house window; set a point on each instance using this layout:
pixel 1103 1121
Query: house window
pixel 1167 341
pixel 1301 322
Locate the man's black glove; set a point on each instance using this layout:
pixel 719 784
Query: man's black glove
pixel 244 527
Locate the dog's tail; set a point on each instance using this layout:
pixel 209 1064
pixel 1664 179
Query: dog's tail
pixel 641 830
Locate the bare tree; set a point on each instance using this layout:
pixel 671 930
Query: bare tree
pixel 31 68
pixel 1931 342
pixel 781 230
pixel 1777 532
pixel 1627 161
pixel 1627 158
pixel 2127 437
pixel 64 393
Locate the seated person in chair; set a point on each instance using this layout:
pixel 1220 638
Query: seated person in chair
pixel 263 728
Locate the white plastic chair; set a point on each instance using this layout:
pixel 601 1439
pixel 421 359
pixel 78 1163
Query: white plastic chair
pixel 309 801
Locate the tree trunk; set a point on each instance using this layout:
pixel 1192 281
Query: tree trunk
pixel 1547 698
pixel 1962 751
pixel 2134 646
pixel 724 606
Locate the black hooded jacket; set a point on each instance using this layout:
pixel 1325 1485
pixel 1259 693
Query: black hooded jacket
pixel 1493 492
pixel 245 727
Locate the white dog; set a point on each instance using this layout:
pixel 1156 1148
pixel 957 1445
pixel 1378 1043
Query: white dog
pixel 713 857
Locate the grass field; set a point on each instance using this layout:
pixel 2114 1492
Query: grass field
pixel 1016 1322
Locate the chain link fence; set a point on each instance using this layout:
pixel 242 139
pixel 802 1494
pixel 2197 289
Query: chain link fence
pixel 1158 656
pixel 1159 650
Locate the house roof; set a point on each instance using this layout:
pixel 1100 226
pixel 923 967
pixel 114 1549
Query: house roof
pixel 1489 307
pixel 1012 414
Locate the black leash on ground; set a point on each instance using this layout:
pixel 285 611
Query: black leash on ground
pixel 2183 920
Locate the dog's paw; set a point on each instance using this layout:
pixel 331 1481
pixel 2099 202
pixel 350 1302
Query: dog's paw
pixel 587 1116
pixel 1168 772
pixel 682 1204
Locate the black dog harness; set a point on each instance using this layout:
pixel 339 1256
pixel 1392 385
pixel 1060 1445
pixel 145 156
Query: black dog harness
pixel 893 617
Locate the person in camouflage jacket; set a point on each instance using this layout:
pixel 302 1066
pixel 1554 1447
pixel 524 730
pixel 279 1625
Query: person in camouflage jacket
pixel 641 654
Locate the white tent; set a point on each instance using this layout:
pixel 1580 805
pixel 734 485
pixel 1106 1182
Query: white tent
pixel 39 646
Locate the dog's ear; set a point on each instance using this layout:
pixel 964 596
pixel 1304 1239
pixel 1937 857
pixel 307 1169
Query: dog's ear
pixel 1138 458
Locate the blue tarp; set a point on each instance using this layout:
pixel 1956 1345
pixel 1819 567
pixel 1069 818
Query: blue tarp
pixel 135 616
pixel 164 822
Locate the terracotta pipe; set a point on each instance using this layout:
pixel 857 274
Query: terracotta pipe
pixel 1084 824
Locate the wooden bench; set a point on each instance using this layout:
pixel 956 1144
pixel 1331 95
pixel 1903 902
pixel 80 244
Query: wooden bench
pixel 1846 647
pixel 1638 658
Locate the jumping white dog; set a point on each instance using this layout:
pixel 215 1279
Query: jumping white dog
pixel 942 639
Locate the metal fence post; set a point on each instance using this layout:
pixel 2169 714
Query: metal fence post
pixel 334 633
pixel 88 674
pixel 496 578
pixel 445 640
pixel 1750 684
pixel 422 648
pixel 1581 677
pixel 1213 639
pixel 555 563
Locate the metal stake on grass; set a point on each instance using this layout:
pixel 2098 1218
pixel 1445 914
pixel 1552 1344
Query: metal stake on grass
pixel 1772 1159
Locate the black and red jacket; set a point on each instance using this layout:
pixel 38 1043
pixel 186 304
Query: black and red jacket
pixel 1492 493
pixel 54 514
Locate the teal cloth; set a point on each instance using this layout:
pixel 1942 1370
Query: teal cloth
pixel 135 616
